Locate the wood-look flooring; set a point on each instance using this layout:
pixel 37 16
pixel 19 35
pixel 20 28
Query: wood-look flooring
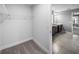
pixel 63 44
pixel 29 47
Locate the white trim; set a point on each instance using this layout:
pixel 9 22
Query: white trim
pixel 14 43
pixel 43 48
pixel 50 31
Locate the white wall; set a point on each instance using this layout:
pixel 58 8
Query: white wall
pixel 0 34
pixel 24 22
pixel 18 26
pixel 1 26
pixel 41 24
pixel 65 18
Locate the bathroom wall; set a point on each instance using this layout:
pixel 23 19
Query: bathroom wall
pixel 41 24
pixel 65 18
pixel 18 24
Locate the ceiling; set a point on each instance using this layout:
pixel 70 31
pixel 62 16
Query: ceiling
pixel 63 7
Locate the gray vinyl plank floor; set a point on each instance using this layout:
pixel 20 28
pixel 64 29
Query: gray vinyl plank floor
pixel 29 47
pixel 63 44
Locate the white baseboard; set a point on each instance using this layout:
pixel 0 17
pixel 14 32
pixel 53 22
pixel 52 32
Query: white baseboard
pixel 42 47
pixel 15 43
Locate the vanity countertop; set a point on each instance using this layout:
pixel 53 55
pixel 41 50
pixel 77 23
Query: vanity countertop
pixel 56 24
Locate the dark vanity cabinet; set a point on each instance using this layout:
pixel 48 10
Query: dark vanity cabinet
pixel 56 29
